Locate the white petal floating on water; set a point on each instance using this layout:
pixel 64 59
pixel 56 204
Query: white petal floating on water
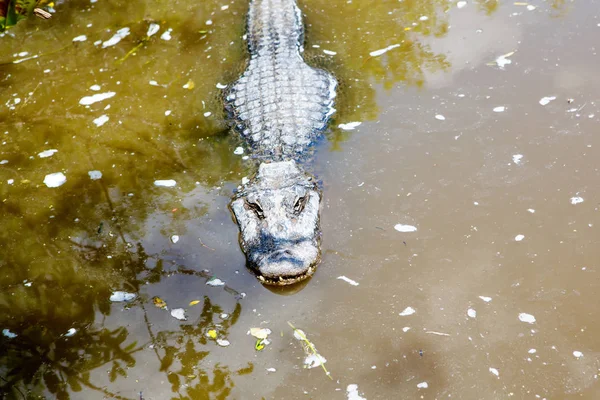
pixel 577 354
pixel 499 109
pixel 461 4
pixel 101 120
pixel 71 332
pixel 576 200
pixel 88 100
pixel 120 34
pixel 423 18
pixel 260 333
pixel 546 100
pixel 167 34
pixel 406 329
pixel 518 238
pixel 221 86
pixel 532 351
pixel 423 385
pixel 80 38
pixel 485 298
pixel 440 117
pixel 207 114
pixel 517 158
pixel 223 342
pixel 271 370
pixel 153 83
pixel 47 153
pixel 407 311
pixel 503 60
pixel 495 371
pixel 352 392
pixel 175 238
pixel 7 333
pixel 379 52
pixel 524 317
pixel 119 296
pixel 152 29
pixel 95 88
pixel 165 183
pixel 329 52
pixel 314 360
pixel 55 180
pixel 178 313
pixel 215 282
pixel 350 281
pixel 472 313
pixel 167 113
pixel 405 228
pixel 530 7
pixel 95 175
pixel 238 151
pixel 349 126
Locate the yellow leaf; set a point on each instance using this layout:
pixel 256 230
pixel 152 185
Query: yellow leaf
pixel 260 333
pixel 407 28
pixel 160 303
pixel 189 85
pixel 194 302
pixel 212 334
pixel 259 345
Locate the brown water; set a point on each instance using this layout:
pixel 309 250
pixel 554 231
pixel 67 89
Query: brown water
pixel 500 275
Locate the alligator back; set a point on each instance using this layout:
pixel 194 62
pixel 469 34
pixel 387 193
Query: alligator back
pixel 280 105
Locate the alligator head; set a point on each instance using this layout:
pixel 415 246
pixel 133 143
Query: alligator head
pixel 278 216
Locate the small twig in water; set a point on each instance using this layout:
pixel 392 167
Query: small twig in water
pixel 310 346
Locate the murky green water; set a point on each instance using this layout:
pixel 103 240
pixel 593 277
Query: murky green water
pixel 152 112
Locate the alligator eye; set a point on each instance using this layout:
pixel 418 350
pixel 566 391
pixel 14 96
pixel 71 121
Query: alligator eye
pixel 254 206
pixel 299 205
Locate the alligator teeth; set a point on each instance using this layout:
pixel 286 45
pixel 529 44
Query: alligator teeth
pixel 261 278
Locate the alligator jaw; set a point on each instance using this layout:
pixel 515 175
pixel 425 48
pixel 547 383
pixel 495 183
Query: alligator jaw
pixel 286 281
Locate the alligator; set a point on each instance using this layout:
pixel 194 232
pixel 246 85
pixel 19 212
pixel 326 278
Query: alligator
pixel 280 107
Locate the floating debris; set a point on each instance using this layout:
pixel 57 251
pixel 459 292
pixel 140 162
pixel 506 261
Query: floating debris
pixel 120 296
pixel 271 370
pixel 405 228
pixel 88 100
pixel 194 302
pixel 524 317
pixel 329 52
pixel 47 153
pixel 95 88
pixel 407 311
pixel 577 354
pixel 238 151
pixel 215 282
pixel 245 180
pixel 159 303
pixel 211 333
pixel 80 38
pixel 189 85
pixel 440 117
pixel 352 392
pixel 495 371
pixel 55 180
pixel 406 329
pixel 472 313
pixel 101 120
pixel 499 109
pixel 346 279
pixel 7 333
pixel 167 113
pixel 95 175
pixel 437 333
pixel 71 332
pixel 422 385
pixel 221 86
pixel 485 298
pixel 461 4
pixel 546 100
pixel 117 37
pixel 350 126
pixel 223 342
pixel 517 158
pixel 260 333
pixel 518 238
pixel 313 359
pixel 503 60
pixel 152 29
pixel 377 53
pixel 532 351
pixel 165 183
pixel 153 83
pixel 174 239
pixel 167 34
pixel 178 313
pixel 576 200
